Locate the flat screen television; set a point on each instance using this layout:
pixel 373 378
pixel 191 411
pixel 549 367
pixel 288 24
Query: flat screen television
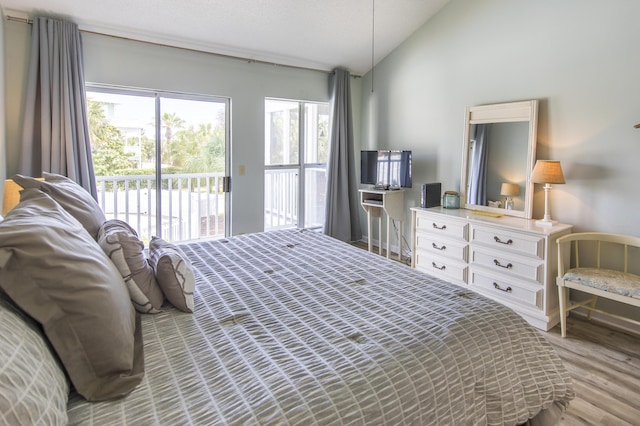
pixel 386 169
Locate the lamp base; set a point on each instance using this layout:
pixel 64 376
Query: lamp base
pixel 508 203
pixel 546 223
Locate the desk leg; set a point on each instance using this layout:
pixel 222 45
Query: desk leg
pixel 380 234
pixel 400 240
pixel 369 229
pixel 388 237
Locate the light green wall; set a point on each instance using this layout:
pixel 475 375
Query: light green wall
pixel 128 63
pixel 578 57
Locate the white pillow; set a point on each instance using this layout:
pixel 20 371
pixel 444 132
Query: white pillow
pixel 173 272
pixel 121 243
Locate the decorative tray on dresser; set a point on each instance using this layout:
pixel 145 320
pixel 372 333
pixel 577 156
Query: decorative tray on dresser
pixel 506 258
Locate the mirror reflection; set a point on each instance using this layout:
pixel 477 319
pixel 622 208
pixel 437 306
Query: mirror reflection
pixel 498 157
pixel 499 152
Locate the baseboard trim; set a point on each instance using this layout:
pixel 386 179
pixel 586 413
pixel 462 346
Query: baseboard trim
pixel 376 243
pixel 607 321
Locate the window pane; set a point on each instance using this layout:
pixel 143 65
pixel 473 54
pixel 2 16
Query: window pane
pixel 187 201
pixel 280 198
pixel 193 166
pixel 315 180
pixel 295 163
pixel 282 124
pixel 122 135
pixel 317 133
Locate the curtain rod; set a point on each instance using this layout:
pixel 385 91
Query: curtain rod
pixel 190 49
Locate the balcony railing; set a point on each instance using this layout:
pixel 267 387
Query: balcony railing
pixel 192 204
pixel 280 198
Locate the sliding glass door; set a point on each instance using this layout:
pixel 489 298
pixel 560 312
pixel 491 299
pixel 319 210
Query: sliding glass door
pixel 161 161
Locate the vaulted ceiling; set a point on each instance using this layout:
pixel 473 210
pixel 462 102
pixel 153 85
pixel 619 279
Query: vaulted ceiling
pixel 305 33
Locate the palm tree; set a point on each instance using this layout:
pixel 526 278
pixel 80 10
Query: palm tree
pixel 171 123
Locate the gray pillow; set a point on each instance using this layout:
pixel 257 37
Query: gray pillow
pixel 173 272
pixel 121 243
pixel 76 200
pixel 55 272
pixel 33 387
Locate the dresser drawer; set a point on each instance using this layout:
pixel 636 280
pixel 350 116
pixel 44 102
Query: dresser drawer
pixel 442 267
pixel 509 290
pixel 516 242
pixel 506 263
pixel 443 226
pixel 430 243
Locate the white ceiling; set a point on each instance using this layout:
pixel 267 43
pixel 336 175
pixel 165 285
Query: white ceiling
pixel 319 34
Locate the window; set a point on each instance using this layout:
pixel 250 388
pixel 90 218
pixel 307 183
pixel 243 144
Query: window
pixel 296 148
pixel 160 161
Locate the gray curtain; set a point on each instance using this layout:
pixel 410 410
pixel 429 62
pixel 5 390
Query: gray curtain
pixel 55 136
pixel 478 175
pixel 342 220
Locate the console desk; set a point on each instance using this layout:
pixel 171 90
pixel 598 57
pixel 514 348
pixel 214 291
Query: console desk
pixel 391 202
pixel 508 259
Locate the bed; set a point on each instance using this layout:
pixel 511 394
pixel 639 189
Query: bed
pixel 294 327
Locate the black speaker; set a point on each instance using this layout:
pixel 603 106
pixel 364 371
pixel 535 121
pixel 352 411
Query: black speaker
pixel 430 195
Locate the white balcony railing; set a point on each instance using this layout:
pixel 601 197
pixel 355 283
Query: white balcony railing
pixel 280 198
pixel 192 204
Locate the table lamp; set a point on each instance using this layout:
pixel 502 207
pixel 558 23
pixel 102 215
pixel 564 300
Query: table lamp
pixel 547 172
pixel 509 190
pixel 11 196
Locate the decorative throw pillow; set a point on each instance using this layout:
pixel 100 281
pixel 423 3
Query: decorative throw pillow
pixel 33 387
pixel 56 273
pixel 76 200
pixel 121 243
pixel 173 272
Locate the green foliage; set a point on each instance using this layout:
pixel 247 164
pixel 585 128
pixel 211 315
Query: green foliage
pixel 185 149
pixel 151 182
pixel 107 142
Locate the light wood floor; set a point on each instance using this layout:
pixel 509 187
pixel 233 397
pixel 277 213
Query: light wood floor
pixel 605 367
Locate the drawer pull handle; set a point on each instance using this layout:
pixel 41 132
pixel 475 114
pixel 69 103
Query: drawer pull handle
pixel 442 228
pixel 442 268
pixel 506 290
pixel 438 248
pixel 498 240
pixel 507 266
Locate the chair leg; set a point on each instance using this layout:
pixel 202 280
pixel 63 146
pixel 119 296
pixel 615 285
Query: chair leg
pixel 594 299
pixel 562 301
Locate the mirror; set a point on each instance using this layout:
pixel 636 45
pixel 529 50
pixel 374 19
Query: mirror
pixel 497 159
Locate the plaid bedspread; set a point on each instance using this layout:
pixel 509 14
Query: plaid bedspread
pixel 293 327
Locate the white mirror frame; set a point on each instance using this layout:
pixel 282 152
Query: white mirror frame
pixel 501 113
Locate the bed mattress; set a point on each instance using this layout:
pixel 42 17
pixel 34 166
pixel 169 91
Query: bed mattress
pixel 294 327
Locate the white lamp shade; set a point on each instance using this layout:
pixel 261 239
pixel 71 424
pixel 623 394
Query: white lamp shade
pixel 547 171
pixel 509 189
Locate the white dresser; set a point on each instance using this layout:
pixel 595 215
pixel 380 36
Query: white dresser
pixel 508 259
